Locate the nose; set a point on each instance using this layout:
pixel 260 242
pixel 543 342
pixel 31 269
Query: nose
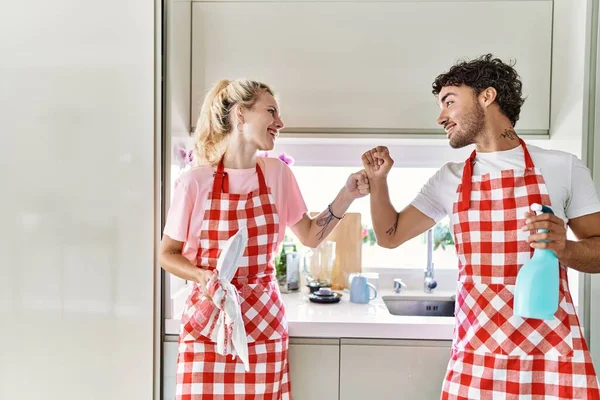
pixel 279 123
pixel 442 119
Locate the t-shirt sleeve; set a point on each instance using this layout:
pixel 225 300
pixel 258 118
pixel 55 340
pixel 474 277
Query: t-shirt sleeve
pixel 583 198
pixel 295 207
pixel 180 212
pixel 430 199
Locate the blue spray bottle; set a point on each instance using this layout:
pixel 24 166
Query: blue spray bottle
pixel 536 289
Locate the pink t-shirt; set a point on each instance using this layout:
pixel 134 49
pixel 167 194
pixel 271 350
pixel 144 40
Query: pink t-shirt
pixel 190 196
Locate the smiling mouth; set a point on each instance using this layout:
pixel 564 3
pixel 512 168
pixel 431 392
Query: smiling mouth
pixel 273 133
pixel 449 129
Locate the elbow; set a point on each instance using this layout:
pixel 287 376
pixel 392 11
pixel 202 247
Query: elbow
pixel 311 243
pixel 388 242
pixel 385 244
pixel 161 261
pixel 165 262
pixel 308 240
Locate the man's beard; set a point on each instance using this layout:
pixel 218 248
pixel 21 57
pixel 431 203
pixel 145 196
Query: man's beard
pixel 471 125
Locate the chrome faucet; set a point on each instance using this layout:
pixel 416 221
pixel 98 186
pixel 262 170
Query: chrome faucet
pixel 429 282
pixel 398 285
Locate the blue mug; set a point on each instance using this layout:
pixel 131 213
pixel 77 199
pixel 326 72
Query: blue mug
pixel 360 289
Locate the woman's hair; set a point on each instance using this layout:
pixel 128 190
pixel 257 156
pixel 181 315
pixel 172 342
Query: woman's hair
pixel 214 122
pixel 482 73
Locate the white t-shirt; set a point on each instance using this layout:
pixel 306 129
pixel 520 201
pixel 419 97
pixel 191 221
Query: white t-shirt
pixel 568 180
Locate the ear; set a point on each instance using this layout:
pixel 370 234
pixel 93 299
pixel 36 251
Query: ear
pixel 487 96
pixel 239 114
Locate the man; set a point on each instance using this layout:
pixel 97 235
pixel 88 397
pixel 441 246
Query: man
pixel 496 354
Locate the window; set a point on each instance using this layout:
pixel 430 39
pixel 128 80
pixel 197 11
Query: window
pixel 320 185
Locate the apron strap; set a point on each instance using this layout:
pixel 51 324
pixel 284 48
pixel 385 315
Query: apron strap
pixel 467 176
pixel 221 181
pixel 465 185
pixel 528 160
pixel 262 183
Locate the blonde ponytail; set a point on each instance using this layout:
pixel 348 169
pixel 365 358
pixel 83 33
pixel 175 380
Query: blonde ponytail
pixel 214 121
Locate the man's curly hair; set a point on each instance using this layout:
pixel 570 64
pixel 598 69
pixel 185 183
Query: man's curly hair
pixel 482 73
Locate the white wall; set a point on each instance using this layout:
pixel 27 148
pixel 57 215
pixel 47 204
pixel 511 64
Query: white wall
pixel 568 63
pixel 77 173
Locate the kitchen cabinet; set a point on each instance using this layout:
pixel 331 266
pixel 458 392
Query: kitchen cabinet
pixel 178 64
pixel 349 369
pixel 314 368
pixel 364 66
pixel 392 369
pixel 169 368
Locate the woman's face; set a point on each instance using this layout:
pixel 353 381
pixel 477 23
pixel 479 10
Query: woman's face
pixel 262 122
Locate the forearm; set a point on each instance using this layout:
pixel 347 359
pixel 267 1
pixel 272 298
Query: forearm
pixel 324 223
pixel 178 265
pixel 582 255
pixel 383 214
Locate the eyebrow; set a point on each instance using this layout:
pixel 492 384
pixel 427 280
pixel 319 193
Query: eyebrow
pixel 446 95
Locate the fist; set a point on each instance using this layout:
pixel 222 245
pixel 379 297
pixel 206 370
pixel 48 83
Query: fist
pixel 377 162
pixel 357 185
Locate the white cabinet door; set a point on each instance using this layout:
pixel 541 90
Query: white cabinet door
pixel 169 368
pixel 178 34
pixel 368 65
pixel 314 368
pixel 392 369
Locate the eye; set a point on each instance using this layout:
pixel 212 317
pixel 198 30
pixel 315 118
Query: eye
pixel 449 103
pixel 272 111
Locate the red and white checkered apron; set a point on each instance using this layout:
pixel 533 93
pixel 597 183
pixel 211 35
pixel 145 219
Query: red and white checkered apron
pixel 496 354
pixel 202 373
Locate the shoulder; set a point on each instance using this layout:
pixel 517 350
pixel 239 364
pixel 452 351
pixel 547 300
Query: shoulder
pixel 273 167
pixel 449 171
pixel 193 180
pixel 550 157
pixel 272 163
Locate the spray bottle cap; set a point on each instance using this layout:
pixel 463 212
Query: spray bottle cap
pixel 540 209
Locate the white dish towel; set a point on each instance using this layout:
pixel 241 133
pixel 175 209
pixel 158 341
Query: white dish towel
pixel 225 326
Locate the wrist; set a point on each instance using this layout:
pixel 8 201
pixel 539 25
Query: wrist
pixel 198 275
pixel 378 180
pixel 338 207
pixel 345 198
pixel 565 254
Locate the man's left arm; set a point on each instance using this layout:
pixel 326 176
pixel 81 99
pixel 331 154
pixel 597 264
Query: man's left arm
pixel 582 254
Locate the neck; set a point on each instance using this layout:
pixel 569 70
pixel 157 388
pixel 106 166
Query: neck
pixel 239 156
pixel 497 138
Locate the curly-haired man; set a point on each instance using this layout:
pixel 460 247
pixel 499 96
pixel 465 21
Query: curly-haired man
pixel 501 351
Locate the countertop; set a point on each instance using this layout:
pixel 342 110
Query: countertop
pixel 373 320
pixel 349 320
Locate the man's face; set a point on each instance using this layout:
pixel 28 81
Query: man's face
pixel 461 116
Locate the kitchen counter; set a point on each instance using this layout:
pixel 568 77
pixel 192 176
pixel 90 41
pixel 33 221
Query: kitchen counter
pixel 350 320
pixel 373 320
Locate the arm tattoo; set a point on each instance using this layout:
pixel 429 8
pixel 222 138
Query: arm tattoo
pixel 323 222
pixel 509 134
pixel 392 230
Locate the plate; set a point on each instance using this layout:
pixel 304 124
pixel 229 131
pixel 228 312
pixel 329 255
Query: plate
pixel 324 299
pixel 320 293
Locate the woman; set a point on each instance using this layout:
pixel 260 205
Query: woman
pixel 233 189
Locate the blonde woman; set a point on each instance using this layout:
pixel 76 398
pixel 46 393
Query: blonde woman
pixel 233 188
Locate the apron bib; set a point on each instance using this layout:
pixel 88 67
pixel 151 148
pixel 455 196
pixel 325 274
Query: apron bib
pixel 496 354
pixel 202 373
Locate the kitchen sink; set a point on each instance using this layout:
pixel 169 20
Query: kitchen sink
pixel 419 306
